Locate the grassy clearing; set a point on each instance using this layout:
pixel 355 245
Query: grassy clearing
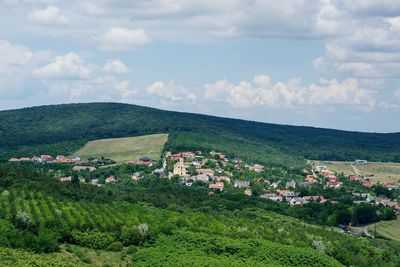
pixel 388 229
pixel 94 257
pixel 125 149
pixel 382 172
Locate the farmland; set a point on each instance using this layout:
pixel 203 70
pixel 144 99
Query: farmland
pixel 382 172
pixel 125 149
pixel 388 229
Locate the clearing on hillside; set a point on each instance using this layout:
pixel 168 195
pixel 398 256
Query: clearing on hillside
pixel 388 229
pixel 381 171
pixel 125 149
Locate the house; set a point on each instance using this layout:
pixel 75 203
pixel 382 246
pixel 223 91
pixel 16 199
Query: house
pixel 368 184
pixel 391 185
pixel 327 173
pixel 310 179
pixel 296 201
pixel 275 184
pixel 201 178
pixel 237 161
pixel 241 184
pixel 217 185
pixel 360 162
pixel 320 168
pixel 136 176
pixel 355 177
pixel 315 199
pixel 257 168
pixel 291 184
pixel 248 192
pixel 180 168
pixel 205 171
pixel 110 179
pixel 271 196
pixel 83 168
pixel 285 193
pixel 224 179
pixel 305 171
pixel 66 179
pixel 333 182
pixel 197 164
pixel 94 182
pixel 14 160
pixel 142 161
pixel 46 158
pixel 261 180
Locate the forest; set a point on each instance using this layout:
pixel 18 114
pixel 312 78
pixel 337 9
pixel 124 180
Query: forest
pixel 154 221
pixel 62 129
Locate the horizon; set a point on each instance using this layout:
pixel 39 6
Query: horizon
pixel 201 114
pixel 300 63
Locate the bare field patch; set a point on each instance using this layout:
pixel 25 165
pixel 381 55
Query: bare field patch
pixel 125 149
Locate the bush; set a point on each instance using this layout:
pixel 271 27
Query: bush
pixel 115 246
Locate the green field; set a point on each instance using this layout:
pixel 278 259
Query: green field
pixel 382 172
pixel 125 149
pixel 388 229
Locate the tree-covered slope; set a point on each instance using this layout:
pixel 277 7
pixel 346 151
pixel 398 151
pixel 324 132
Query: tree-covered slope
pixel 64 128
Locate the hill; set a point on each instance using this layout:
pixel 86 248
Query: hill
pixel 125 149
pixel 155 221
pixel 65 128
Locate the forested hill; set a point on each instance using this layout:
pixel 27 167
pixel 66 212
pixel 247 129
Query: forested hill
pixel 66 127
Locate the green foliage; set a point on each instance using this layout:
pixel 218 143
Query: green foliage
pixel 63 128
pixel 196 249
pixel 13 257
pixel 93 239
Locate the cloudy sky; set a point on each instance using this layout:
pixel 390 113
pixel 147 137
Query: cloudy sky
pixel 327 63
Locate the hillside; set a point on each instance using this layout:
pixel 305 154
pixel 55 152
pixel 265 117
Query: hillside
pixel 65 128
pixel 125 149
pixel 155 221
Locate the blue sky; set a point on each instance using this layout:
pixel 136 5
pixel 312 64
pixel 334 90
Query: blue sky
pixel 323 63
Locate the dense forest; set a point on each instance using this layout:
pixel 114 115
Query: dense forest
pixel 64 128
pixel 157 222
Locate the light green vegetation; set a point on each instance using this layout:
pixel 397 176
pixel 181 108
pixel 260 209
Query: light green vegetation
pixel 383 172
pixel 15 257
pixel 388 229
pixel 125 149
pixel 99 258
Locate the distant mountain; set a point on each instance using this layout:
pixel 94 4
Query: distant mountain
pixel 64 128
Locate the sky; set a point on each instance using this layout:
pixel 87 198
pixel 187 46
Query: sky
pixel 323 63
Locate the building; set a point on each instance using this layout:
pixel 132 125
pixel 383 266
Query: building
pixel 180 168
pixel 241 184
pixel 66 179
pixel 248 192
pixel 110 179
pixel 257 168
pixel 360 162
pixel 205 171
pixel 201 178
pixel 217 186
pixel 296 201
pixel 291 184
pixel 136 176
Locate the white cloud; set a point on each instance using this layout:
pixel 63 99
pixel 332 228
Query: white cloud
pixel 49 15
pixel 170 92
pixel 115 66
pixel 12 57
pixel 247 95
pixel 397 94
pixel 120 38
pixel 68 66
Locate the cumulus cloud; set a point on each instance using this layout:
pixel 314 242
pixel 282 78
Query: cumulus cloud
pixel 171 92
pixel 120 38
pixel 115 66
pixel 247 95
pixel 49 15
pixel 12 57
pixel 68 66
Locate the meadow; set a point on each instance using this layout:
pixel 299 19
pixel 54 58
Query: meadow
pixel 381 171
pixel 388 229
pixel 125 149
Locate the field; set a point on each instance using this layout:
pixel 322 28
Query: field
pixel 389 229
pixel 125 149
pixel 382 172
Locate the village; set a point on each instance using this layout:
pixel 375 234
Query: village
pixel 218 172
